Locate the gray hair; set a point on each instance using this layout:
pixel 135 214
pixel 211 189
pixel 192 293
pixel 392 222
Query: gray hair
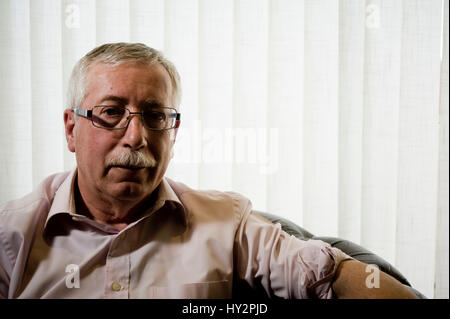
pixel 115 54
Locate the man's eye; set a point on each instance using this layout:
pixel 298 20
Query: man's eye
pixel 158 116
pixel 113 111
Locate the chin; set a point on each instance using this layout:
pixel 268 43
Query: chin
pixel 128 191
pixel 124 185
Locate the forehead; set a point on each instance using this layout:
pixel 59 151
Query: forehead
pixel 131 81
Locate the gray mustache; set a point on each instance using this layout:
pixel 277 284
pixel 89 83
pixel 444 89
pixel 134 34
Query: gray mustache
pixel 134 159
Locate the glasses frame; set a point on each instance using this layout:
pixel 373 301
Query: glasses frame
pixel 88 114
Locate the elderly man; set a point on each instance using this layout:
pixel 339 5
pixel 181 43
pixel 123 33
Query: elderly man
pixel 115 227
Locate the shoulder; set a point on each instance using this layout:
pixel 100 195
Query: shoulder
pixel 20 217
pixel 213 203
pixel 20 220
pixel 44 192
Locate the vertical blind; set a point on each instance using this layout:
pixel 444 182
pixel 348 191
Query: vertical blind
pixel 333 114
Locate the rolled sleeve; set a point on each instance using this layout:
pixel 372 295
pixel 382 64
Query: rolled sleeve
pixel 284 265
pixel 319 262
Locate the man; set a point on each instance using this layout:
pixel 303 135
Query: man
pixel 115 227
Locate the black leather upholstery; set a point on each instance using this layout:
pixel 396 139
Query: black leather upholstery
pixel 353 250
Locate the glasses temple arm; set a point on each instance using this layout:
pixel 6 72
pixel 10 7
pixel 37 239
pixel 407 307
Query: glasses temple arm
pixel 82 112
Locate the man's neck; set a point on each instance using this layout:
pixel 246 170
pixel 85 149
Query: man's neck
pixel 118 214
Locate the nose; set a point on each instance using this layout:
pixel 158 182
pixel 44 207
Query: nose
pixel 135 136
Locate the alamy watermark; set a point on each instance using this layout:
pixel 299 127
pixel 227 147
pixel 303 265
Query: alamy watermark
pixel 72 20
pixel 373 16
pixel 73 276
pixel 257 146
pixel 373 279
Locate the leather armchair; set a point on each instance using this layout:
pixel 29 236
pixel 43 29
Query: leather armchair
pixel 353 250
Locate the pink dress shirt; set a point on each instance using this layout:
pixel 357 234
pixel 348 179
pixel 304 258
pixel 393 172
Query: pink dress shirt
pixel 189 244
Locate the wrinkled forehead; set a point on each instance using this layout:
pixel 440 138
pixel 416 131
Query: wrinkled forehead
pixel 106 76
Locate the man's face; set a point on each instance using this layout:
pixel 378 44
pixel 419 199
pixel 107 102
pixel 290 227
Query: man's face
pixel 136 86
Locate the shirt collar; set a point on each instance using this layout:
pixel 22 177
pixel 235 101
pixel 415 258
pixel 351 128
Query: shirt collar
pixel 64 200
pixel 167 196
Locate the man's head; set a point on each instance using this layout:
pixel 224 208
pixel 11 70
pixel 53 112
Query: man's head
pixel 116 54
pixel 126 163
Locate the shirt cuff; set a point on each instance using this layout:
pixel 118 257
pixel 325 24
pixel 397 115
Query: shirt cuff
pixel 327 260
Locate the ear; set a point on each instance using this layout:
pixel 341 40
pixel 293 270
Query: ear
pixel 69 124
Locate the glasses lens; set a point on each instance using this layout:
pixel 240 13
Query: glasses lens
pixel 160 118
pixel 109 116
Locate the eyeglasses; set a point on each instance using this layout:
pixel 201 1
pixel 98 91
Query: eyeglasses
pixel 118 117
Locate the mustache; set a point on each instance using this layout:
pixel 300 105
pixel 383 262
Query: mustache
pixel 132 159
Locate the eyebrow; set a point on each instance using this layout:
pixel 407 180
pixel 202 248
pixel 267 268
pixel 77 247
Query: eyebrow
pixel 124 101
pixel 151 103
pixel 115 98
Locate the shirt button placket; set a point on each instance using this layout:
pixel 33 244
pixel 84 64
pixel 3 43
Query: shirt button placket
pixel 117 270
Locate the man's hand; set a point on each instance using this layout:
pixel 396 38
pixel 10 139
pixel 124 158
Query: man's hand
pixel 350 282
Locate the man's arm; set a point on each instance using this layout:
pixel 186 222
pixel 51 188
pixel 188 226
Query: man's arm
pixel 351 278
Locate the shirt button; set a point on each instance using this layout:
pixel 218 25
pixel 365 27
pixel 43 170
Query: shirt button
pixel 115 286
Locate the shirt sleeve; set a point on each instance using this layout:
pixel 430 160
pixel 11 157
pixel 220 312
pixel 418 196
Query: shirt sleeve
pixel 5 268
pixel 3 283
pixel 284 265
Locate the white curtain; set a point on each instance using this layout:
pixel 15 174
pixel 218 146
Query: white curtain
pixel 333 114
